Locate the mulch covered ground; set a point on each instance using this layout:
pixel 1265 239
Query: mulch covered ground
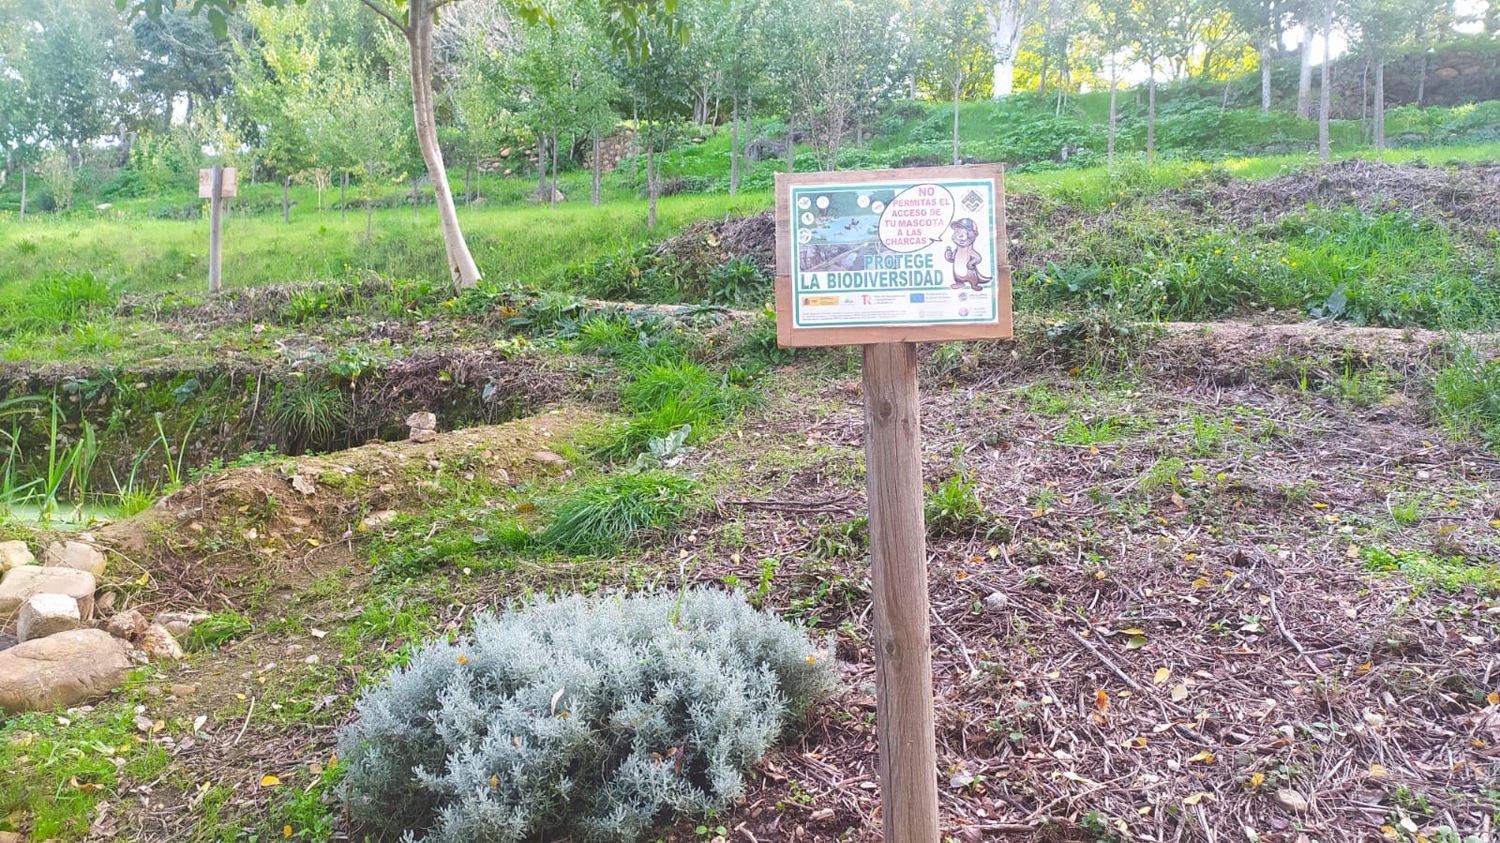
pixel 1208 658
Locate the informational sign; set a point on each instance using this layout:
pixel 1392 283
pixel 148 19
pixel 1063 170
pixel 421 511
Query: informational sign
pixel 206 183
pixel 892 256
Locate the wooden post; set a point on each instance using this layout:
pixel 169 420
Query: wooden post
pixel 216 229
pixel 898 569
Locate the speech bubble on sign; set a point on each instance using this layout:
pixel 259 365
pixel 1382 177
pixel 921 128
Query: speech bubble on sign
pixel 916 218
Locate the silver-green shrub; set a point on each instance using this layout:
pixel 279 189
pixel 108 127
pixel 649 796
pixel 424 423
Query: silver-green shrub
pixel 587 717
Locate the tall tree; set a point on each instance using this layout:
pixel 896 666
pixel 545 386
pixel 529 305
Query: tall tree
pixel 1264 20
pixel 953 31
pixel 1110 23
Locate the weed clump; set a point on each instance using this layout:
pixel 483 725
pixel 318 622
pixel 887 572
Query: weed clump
pixel 585 718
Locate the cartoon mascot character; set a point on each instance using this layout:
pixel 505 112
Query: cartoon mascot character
pixel 965 258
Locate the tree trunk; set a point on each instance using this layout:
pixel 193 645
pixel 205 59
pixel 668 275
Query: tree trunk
pixel 651 179
pixel 598 170
pixel 468 183
pixel 343 187
pixel 1151 110
pixel 541 166
pixel 635 141
pixel 23 192
pixel 1005 24
pixel 1324 94
pixel 1041 85
pixel 286 199
pixel 369 211
pixel 1379 121
pixel 419 41
pixel 1364 98
pixel 1422 71
pixel 1114 89
pixel 478 182
pixel 958 78
pixel 791 144
pixel 1304 76
pixel 552 196
pixel 734 145
pixel 1265 74
pixel 416 199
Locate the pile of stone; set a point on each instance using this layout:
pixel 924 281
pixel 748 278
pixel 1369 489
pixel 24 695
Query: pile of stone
pixel 423 427
pixel 60 659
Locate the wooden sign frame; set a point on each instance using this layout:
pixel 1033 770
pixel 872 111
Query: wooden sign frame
pixel 789 334
pixel 231 182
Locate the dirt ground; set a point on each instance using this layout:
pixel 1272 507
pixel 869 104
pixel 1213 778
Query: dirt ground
pixel 1175 622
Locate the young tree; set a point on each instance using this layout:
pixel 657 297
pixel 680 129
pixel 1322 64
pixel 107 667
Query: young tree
pixel 1110 23
pixel 274 84
pixel 1378 27
pixel 1264 20
pixel 1324 94
pixel 951 30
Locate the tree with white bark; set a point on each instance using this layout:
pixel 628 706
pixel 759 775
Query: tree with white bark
pixel 1007 20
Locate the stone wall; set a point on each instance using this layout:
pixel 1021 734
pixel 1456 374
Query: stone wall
pixel 1455 75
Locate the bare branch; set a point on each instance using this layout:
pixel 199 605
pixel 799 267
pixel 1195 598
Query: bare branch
pixel 385 13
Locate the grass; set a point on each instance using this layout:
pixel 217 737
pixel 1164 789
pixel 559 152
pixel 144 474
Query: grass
pixel 60 767
pixel 1426 571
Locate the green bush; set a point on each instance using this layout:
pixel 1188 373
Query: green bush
pixel 579 718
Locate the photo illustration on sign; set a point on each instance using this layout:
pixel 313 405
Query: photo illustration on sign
pixel 898 249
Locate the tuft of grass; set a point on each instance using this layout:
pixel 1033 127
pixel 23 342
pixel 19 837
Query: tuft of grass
pixel 307 415
pixel 665 396
pixel 219 629
pixel 1096 432
pixel 1466 395
pixel 604 515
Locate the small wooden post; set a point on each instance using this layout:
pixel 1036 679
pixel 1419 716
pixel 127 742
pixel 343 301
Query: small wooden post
pixel 898 569
pixel 216 229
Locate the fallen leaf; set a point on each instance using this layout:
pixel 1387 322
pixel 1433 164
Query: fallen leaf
pixel 1197 797
pixel 1162 675
pixel 1101 701
pixel 1377 771
pixel 1179 692
pixel 1132 631
pixel 1353 551
pixel 1136 642
pixel 1138 742
pixel 269 781
pixel 1204 757
pixel 78 785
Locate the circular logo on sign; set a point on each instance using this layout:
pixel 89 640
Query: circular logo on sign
pixel 863 201
pixel 807 218
pixel 804 203
pixel 822 203
pixel 877 207
pixel 963 296
pixel 963 311
pixel 804 236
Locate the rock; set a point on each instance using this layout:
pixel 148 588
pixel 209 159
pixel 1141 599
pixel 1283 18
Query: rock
pixel 61 670
pixel 505 153
pixel 14 555
pixel 420 435
pixel 159 645
pixel 76 555
pixel 422 421
pixel 19 584
pixel 177 628
pixel 127 625
pixel 185 618
pixel 548 458
pixel 995 602
pixel 182 689
pixel 377 518
pixel 47 614
pixel 1292 801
